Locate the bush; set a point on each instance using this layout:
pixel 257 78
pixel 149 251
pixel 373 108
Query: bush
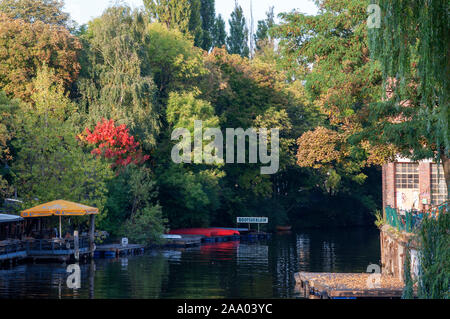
pixel 146 226
pixel 434 272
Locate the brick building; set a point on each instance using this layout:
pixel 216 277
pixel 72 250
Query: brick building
pixel 417 185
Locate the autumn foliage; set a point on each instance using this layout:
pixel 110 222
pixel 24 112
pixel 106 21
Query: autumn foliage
pixel 115 143
pixel 25 47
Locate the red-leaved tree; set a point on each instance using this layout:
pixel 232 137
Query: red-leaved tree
pixel 115 143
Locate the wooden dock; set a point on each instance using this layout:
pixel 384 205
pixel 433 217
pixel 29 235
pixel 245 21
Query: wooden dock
pixel 348 285
pixel 184 242
pixel 61 250
pixel 116 250
pixel 255 236
pixel 11 252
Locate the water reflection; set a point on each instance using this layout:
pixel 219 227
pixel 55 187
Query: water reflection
pixel 39 281
pixel 217 270
pixel 303 250
pixel 328 256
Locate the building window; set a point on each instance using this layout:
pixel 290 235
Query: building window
pixel 407 186
pixel 438 185
pixel 407 175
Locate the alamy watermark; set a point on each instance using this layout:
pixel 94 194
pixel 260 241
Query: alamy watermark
pixel 74 279
pixel 214 152
pixel 374 19
pixel 374 280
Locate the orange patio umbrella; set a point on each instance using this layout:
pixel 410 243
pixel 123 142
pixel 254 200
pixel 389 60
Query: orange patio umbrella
pixel 59 208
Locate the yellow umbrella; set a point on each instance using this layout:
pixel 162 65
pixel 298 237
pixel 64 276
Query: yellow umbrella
pixel 59 208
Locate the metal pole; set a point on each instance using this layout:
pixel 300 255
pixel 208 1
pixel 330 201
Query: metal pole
pixel 60 235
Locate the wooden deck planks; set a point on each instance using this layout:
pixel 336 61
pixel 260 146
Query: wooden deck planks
pixel 118 247
pixel 347 285
pixel 116 250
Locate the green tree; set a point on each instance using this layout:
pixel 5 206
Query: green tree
pixel 132 208
pixel 262 35
pixel 185 108
pixel 117 80
pixel 50 163
pixel 49 98
pixel 208 14
pixel 47 11
pixel 172 13
pixel 195 22
pixel 146 226
pixel 219 33
pixel 189 193
pixel 184 15
pixel 412 44
pixel 237 41
pixel 175 62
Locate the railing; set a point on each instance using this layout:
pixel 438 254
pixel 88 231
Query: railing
pixel 437 210
pixel 11 248
pixel 409 220
pixel 51 245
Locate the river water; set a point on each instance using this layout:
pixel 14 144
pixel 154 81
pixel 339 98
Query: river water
pixel 263 269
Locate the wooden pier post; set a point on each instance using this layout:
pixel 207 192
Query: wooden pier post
pixel 91 236
pixel 91 279
pixel 76 244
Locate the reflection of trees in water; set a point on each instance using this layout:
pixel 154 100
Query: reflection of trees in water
pixel 303 251
pixel 118 278
pixel 39 281
pixel 131 277
pixel 148 277
pixel 253 255
pixel 285 262
pixel 328 256
pixel 201 272
pixel 339 250
pixel 254 275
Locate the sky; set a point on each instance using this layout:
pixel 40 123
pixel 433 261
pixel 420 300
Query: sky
pixel 84 10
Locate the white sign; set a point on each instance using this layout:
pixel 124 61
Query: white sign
pixel 252 220
pixel 124 242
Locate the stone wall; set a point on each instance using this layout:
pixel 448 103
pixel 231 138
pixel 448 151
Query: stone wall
pixel 393 252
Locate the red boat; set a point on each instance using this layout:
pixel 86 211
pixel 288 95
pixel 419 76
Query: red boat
pixel 208 232
pixel 284 228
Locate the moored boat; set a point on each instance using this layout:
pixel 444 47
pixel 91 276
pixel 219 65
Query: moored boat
pixel 284 228
pixel 207 232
